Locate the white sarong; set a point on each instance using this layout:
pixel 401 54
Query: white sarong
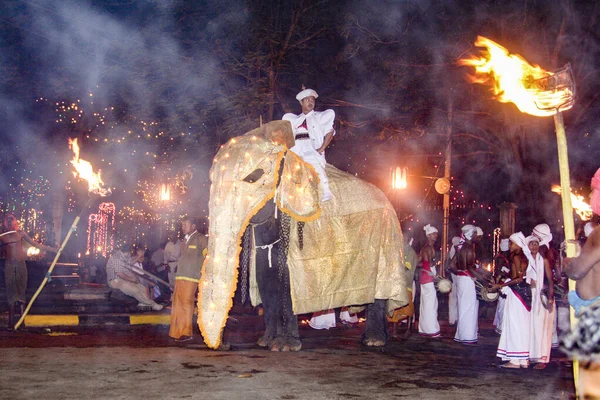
pixel 499 314
pixel 323 320
pixel 453 303
pixel 514 340
pixel 428 310
pixel 542 320
pixel 468 310
pixel 346 317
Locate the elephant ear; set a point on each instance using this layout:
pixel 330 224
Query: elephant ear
pixel 298 191
pixel 279 132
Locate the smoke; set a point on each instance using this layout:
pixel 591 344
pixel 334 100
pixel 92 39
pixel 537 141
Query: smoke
pixel 142 72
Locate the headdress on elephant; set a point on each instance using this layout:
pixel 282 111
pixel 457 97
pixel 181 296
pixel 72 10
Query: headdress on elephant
pixel 305 93
pixel 246 173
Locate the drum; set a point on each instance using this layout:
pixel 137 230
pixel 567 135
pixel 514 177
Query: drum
pixel 443 285
pixel 483 293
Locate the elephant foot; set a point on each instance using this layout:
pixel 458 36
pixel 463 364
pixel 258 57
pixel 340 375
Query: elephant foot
pixel 265 341
pixel 374 342
pixel 286 344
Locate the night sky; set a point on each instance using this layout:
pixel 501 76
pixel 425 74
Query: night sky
pixel 152 88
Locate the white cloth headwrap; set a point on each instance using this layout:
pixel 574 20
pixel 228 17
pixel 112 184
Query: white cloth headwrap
pixel 455 241
pixel 504 244
pixel 429 229
pixel 519 239
pixel 479 231
pixel 305 93
pixel 468 231
pixel 588 228
pixel 532 238
pixel 542 231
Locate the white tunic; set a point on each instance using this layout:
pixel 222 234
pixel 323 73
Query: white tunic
pixel 318 125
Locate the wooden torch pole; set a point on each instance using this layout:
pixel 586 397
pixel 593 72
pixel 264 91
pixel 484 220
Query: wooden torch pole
pixel 567 208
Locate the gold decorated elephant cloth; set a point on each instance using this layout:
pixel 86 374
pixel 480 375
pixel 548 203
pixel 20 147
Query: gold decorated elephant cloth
pixel 352 254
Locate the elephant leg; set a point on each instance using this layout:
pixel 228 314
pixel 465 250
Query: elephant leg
pixel 288 337
pixel 266 278
pixel 376 332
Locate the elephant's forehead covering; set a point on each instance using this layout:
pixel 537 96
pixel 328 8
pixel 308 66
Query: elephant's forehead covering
pixel 242 155
pixel 232 203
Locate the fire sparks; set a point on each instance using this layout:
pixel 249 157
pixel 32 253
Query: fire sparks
pixel 582 208
pixel 85 171
pixel 532 89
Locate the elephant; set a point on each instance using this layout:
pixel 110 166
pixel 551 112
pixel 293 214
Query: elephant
pixel 303 255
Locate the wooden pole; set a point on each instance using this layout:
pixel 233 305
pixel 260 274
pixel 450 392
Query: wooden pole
pixel 567 208
pixel 446 195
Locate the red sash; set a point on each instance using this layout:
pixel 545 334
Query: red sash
pixel 425 270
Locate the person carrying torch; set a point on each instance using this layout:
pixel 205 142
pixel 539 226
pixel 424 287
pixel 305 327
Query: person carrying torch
pixel 15 269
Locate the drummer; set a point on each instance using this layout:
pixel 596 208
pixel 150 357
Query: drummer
pixel 468 306
pixel 428 310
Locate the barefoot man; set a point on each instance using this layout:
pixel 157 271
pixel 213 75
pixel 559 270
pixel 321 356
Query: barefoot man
pixel 15 270
pixel 585 269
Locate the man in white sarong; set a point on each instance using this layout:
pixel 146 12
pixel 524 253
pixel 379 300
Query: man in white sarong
pixel 542 319
pixel 514 340
pixel 313 131
pixel 502 273
pixel 467 327
pixel 457 242
pixel 428 309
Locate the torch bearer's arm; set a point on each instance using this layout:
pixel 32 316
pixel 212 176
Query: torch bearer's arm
pixel 577 268
pixel 36 244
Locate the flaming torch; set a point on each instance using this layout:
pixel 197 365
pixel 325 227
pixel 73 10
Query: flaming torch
pixel 536 92
pixel 583 209
pixel 83 170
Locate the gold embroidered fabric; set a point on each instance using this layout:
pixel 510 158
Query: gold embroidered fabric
pixel 352 254
pixel 298 191
pixel 255 157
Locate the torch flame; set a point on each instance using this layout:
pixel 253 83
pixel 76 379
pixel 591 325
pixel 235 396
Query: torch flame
pixel 582 208
pixel 399 178
pixel 532 89
pixel 165 194
pixel 33 252
pixel 85 171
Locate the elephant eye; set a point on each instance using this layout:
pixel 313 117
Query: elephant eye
pixel 254 176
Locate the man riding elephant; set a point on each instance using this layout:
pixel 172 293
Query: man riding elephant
pixel 338 253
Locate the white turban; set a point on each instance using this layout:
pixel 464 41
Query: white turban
pixel 532 238
pixel 455 241
pixel 588 228
pixel 429 229
pixel 542 231
pixel 305 93
pixel 479 231
pixel 519 239
pixel 468 231
pixel 504 244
